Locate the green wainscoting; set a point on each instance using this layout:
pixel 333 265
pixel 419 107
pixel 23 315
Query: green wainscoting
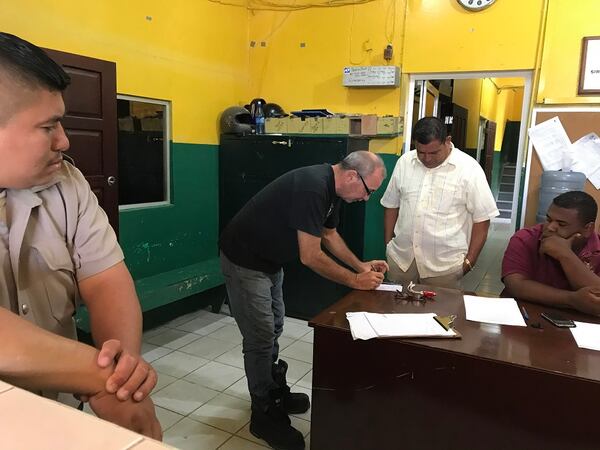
pixel 374 247
pixel 171 251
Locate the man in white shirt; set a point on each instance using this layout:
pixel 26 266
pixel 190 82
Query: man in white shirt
pixel 438 207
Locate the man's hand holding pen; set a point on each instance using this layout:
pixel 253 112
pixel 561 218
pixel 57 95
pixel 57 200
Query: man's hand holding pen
pixel 370 275
pixel 378 266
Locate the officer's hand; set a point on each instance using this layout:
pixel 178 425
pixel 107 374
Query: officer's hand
pixel 132 374
pixel 135 416
pixel 367 280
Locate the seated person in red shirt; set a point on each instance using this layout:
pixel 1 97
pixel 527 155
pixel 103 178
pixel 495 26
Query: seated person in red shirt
pixel 557 263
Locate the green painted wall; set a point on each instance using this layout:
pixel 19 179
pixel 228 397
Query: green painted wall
pixel 172 250
pixel 164 238
pixel 374 247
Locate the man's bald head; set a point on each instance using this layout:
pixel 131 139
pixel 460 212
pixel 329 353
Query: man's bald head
pixel 24 69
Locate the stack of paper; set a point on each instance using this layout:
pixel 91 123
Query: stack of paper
pixel 364 325
pixel 503 311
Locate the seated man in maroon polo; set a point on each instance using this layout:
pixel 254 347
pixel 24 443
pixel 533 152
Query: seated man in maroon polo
pixel 557 263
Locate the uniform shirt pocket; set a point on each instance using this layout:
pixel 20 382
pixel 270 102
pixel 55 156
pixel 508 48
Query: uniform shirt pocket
pixel 56 274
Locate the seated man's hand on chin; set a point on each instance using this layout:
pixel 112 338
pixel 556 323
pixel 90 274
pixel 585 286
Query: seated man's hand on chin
pixel 132 378
pixel 135 416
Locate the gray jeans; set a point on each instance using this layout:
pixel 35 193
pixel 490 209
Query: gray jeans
pixel 256 303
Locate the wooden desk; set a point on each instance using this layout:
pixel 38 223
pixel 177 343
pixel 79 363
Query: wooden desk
pixel 499 387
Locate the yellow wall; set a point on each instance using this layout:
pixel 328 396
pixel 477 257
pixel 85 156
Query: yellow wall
pixel 494 107
pixel 442 37
pixel 568 22
pixel 194 53
pixel 482 99
pixel 467 93
pixel 311 76
pixel 515 109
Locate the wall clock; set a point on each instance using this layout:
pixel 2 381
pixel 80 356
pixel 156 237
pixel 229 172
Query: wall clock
pixel 475 5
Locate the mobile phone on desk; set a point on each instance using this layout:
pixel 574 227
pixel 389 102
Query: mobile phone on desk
pixel 557 320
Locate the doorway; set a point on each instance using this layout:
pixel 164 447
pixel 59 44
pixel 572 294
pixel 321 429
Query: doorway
pixel 470 98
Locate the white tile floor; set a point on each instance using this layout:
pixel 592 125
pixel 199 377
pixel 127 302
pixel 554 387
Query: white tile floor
pixel 202 398
pixel 485 277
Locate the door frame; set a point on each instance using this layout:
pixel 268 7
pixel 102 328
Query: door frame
pixel 480 137
pixel 428 88
pixel 527 75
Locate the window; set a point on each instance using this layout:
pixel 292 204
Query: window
pixel 143 148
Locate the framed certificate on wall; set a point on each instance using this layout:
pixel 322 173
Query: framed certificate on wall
pixel 589 72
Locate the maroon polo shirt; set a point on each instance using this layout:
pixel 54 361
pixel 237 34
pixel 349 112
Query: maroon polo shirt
pixel 522 256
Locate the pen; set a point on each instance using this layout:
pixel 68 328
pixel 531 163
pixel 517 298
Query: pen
pixel 525 315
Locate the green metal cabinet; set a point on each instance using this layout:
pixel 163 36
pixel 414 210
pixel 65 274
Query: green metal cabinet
pixel 248 163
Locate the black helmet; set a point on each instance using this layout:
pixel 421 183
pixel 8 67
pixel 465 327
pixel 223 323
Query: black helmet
pixel 236 120
pixel 274 110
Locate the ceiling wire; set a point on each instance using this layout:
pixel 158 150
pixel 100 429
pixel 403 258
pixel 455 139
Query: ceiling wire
pixel 391 12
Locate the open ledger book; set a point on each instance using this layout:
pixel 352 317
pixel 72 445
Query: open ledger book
pixel 364 325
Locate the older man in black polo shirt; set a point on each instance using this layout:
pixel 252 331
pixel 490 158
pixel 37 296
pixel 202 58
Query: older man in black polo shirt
pixel 289 219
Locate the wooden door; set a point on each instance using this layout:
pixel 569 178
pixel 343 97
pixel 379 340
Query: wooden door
pixel 490 138
pixel 91 125
pixel 460 116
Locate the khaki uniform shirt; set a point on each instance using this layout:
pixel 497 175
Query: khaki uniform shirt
pixel 57 236
pixel 7 288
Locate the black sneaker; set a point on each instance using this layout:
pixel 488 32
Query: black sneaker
pixel 271 423
pixel 293 402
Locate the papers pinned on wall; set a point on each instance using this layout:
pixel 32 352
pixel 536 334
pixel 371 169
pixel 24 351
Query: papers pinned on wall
pixel 556 152
pixel 585 154
pixel 364 325
pixel 551 144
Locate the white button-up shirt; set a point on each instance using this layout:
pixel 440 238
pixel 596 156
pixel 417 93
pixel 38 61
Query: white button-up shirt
pixel 437 209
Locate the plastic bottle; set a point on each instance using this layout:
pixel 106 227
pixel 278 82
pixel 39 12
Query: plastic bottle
pixel 260 122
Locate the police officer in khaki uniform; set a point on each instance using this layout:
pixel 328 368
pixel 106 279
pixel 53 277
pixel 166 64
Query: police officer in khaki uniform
pixel 56 245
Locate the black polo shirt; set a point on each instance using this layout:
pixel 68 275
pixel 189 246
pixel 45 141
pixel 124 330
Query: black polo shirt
pixel 263 234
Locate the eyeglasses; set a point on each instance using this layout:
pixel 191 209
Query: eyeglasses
pixel 369 191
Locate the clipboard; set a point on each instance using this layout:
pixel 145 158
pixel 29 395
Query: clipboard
pixel 447 323
pixel 364 325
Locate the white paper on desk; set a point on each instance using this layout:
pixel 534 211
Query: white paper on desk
pixel 389 287
pixel 587 335
pixel 551 144
pixel 364 325
pixel 586 157
pixel 360 328
pixel 503 311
